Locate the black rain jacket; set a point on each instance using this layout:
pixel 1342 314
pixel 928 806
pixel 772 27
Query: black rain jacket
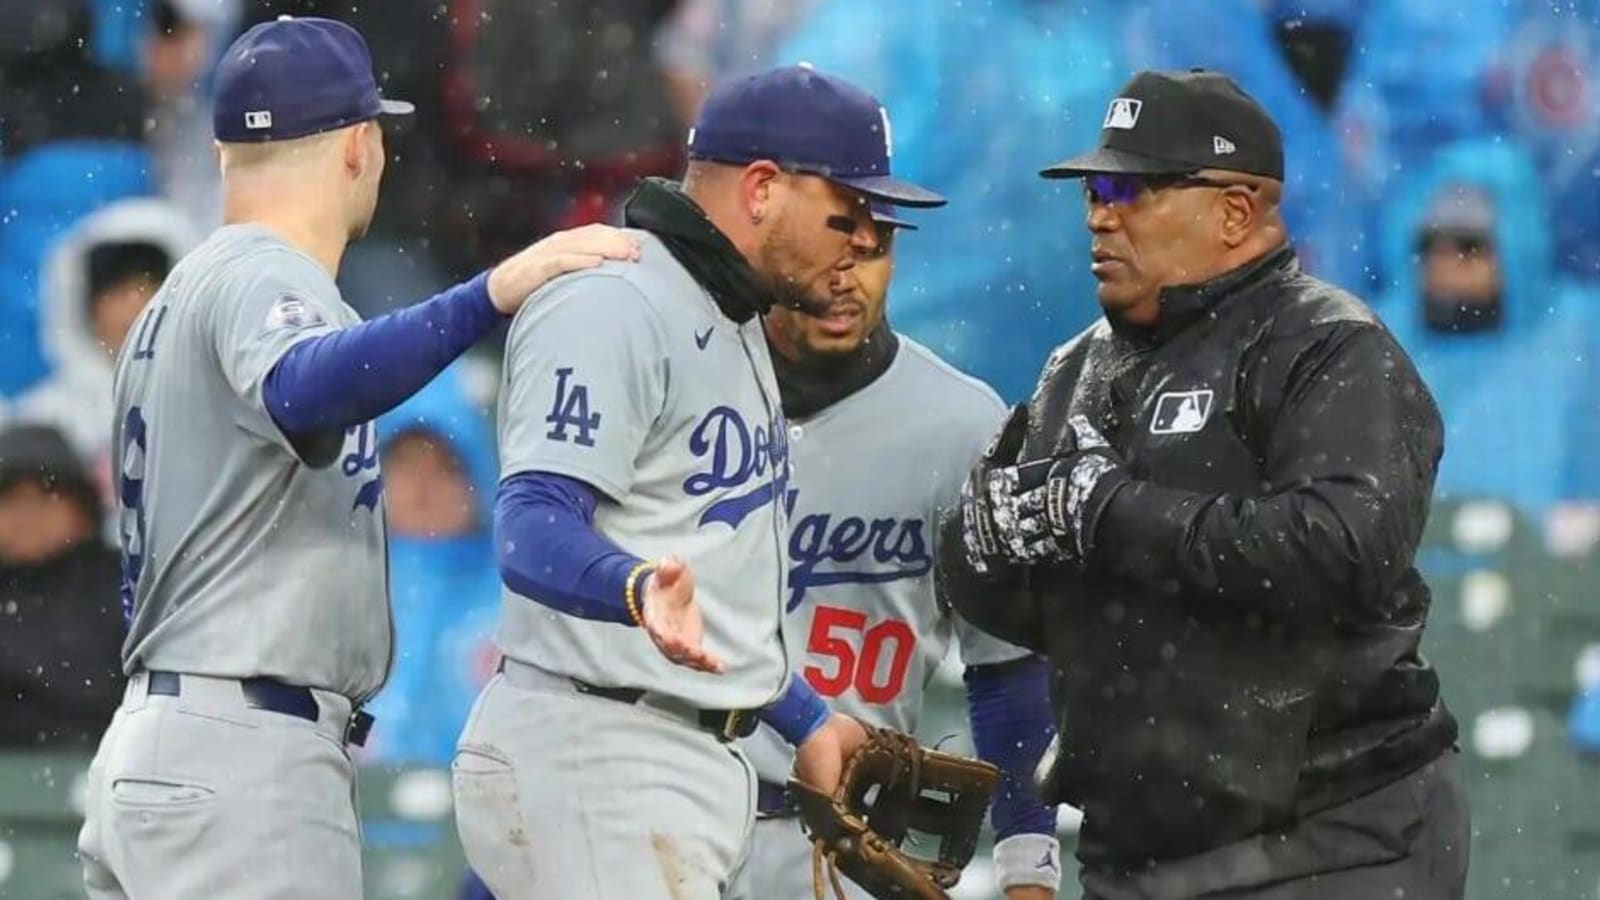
pixel 1241 648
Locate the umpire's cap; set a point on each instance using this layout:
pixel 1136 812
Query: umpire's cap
pixel 1175 123
pixel 807 122
pixel 294 77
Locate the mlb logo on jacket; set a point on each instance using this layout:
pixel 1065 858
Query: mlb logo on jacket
pixel 1182 412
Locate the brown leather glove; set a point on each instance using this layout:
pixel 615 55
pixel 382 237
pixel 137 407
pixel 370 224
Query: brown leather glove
pixel 892 786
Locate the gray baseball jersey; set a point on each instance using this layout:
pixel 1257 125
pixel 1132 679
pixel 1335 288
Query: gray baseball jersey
pixel 239 559
pixel 630 378
pixel 872 473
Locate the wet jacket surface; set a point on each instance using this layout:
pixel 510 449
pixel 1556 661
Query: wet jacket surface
pixel 1241 647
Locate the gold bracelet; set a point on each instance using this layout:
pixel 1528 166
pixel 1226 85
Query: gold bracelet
pixel 630 594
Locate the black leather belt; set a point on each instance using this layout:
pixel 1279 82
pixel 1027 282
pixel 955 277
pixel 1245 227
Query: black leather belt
pixel 773 801
pixel 723 724
pixel 272 695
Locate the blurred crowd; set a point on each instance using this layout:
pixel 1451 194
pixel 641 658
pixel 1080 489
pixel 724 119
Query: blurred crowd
pixel 1442 159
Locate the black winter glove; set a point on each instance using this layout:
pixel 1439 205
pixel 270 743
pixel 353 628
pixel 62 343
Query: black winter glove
pixel 1042 510
pixel 980 533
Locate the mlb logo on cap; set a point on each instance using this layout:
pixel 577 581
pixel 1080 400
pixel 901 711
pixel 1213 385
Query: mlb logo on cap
pixel 258 118
pixel 1123 113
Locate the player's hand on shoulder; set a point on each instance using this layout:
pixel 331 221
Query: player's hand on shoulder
pixel 512 281
pixel 819 760
pixel 672 618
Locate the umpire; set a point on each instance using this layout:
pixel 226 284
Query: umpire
pixel 1207 516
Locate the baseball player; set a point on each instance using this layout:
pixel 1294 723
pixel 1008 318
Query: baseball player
pixel 249 494
pixel 863 508
pixel 640 521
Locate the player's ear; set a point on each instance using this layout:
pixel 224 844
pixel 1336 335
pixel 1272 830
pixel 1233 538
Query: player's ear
pixel 353 144
pixel 758 184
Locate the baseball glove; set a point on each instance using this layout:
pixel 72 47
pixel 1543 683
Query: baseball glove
pixel 892 786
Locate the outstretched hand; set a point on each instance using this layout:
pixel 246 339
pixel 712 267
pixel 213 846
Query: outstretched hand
pixel 672 618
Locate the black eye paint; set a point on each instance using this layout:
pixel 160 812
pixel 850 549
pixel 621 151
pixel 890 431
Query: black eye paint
pixel 842 224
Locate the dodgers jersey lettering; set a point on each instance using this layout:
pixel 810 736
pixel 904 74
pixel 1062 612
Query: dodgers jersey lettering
pixel 239 559
pixel 872 473
pixel 630 378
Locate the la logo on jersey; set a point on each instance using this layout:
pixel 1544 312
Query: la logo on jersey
pixel 827 549
pixel 571 410
pixel 1182 412
pixel 734 455
pixel 1123 113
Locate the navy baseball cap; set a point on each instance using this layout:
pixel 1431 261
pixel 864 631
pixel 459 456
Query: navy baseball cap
pixel 294 77
pixel 807 122
pixel 883 213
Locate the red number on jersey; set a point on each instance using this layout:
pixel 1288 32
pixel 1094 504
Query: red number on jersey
pixel 824 643
pixel 872 648
pixel 851 669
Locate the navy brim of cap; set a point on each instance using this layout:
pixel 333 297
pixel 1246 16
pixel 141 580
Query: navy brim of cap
pixel 1106 160
pixel 889 218
pixel 882 187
